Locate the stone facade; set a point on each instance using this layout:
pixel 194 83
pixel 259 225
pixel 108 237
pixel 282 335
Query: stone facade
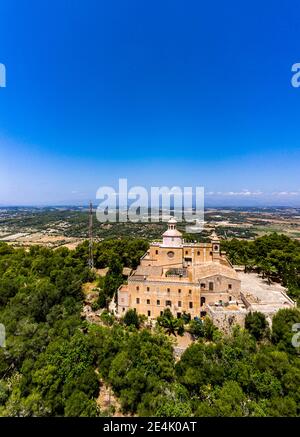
pixel 181 276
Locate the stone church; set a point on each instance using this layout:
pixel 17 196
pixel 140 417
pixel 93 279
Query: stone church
pixel 184 277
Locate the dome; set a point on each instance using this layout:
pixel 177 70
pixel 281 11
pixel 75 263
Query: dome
pixel 172 233
pixel 172 237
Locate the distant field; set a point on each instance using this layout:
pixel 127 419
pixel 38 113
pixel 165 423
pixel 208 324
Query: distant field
pixel 68 226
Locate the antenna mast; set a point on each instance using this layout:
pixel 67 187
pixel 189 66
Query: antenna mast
pixel 91 259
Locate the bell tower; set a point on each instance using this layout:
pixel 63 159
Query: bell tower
pixel 215 242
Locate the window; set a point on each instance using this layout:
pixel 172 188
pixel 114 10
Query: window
pixel 137 300
pixel 211 286
pixel 202 313
pixel 179 290
pixel 148 288
pixel 123 310
pixel 216 247
pixel 178 315
pixel 156 252
pixel 202 285
pixel 179 303
pixel 190 291
pixel 170 254
pixel 186 252
pixel 149 313
pixel 202 301
pixel 190 304
pixel 148 301
pixel 137 288
pixel 161 313
pixel 198 253
pixel 168 290
pixel 158 302
pixel 229 286
pixel 168 303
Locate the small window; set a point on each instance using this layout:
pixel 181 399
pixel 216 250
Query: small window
pixel 190 291
pixel 168 303
pixel 179 290
pixel 161 313
pixel 137 300
pixel 158 302
pixel 168 290
pixel 148 288
pixel 202 301
pixel 148 301
pixel 123 310
pixel 229 286
pixel 149 313
pixel 179 303
pixel 190 304
pixel 156 252
pixel 178 315
pixel 137 288
pixel 198 253
pixel 186 252
pixel 211 286
pixel 202 285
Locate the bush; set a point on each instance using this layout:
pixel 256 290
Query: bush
pixel 131 318
pixel 256 324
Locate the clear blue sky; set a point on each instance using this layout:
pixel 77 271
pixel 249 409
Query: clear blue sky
pixel 161 92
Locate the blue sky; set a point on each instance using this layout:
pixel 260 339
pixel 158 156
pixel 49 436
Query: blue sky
pixel 160 92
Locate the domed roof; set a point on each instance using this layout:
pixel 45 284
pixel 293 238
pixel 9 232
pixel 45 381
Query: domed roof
pixel 172 233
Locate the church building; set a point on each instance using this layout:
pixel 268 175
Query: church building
pixel 184 277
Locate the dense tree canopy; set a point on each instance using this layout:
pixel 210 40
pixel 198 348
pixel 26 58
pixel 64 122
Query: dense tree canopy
pixel 54 359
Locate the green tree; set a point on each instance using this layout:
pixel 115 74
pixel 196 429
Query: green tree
pixel 171 325
pixel 256 324
pixel 282 328
pixel 131 318
pixel 79 405
pixel 196 328
pixel 228 401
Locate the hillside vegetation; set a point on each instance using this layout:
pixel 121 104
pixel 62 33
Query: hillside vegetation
pixel 54 359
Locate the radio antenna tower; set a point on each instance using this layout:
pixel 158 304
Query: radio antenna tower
pixel 91 259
